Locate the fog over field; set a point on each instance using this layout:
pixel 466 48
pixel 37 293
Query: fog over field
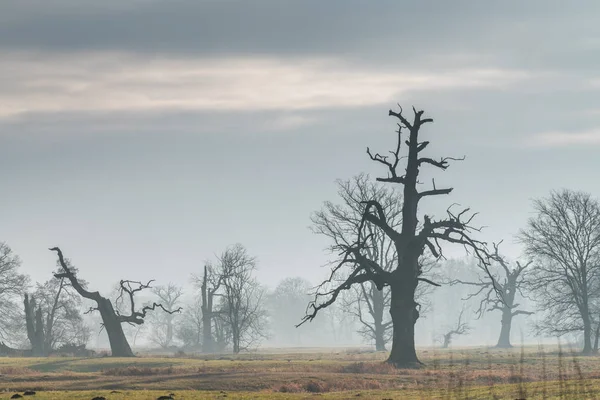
pixel 144 137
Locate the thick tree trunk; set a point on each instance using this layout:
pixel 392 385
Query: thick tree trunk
pixel 404 315
pixel 504 339
pixel 119 346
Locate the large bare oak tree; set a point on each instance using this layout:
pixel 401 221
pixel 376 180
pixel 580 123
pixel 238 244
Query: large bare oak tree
pixel 411 240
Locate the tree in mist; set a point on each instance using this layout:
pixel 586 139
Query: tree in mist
pixel 209 284
pixel 53 315
pixel 340 223
pixel 12 287
pixel 410 240
pixel 189 329
pixel 242 300
pixel 163 324
pixel 563 238
pixel 112 319
pixel 286 304
pixel 497 288
pixel 460 328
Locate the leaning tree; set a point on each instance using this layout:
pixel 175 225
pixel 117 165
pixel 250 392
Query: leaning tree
pixel 497 288
pixel 111 318
pixel 411 240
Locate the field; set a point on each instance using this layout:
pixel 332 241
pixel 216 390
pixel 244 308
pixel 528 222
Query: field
pixel 473 373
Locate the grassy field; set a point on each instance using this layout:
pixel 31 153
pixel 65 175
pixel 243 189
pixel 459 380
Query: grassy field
pixel 473 373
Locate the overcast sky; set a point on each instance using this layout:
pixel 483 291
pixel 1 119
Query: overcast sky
pixel 142 137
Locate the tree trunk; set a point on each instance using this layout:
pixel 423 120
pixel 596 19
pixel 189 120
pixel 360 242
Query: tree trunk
pixel 118 342
pixel 35 330
pixel 379 339
pixel 404 315
pixel 504 339
pixel 587 337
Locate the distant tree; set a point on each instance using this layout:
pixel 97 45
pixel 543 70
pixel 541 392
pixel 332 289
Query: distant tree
pixel 498 290
pixel 564 240
pixel 162 324
pixel 242 302
pixel 460 328
pixel 13 285
pixel 209 284
pixel 286 304
pixel 111 319
pixel 190 328
pixel 410 240
pixel 60 319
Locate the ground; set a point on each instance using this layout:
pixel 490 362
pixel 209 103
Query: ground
pixel 473 373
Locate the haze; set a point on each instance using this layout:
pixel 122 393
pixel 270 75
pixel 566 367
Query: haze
pixel 143 137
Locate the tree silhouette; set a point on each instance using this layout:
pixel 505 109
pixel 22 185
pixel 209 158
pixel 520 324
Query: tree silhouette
pixel 411 241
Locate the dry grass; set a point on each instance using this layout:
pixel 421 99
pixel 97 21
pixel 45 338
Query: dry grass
pixel 461 373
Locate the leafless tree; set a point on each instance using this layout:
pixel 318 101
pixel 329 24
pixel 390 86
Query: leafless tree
pixel 190 329
pixel 12 287
pixel 498 290
pixel 111 318
pixel 564 240
pixel 162 330
pixel 340 223
pixel 286 304
pixel 410 240
pixel 53 315
pixel 460 328
pixel 241 306
pixel 209 284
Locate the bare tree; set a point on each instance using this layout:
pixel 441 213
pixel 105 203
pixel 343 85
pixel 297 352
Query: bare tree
pixel 564 240
pixel 242 306
pixel 340 223
pixel 460 328
pixel 209 284
pixel 411 240
pixel 112 319
pixel 190 330
pixel 12 287
pixel 163 323
pixel 497 291
pixel 286 304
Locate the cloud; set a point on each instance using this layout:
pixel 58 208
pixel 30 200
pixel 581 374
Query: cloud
pixel 561 138
pixel 112 82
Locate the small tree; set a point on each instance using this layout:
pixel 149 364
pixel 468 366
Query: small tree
pixel 163 329
pixel 209 284
pixel 190 330
pixel 497 291
pixel 242 301
pixel 111 319
pixel 564 240
pixel 13 285
pixel 460 328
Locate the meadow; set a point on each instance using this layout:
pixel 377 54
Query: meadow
pixel 459 373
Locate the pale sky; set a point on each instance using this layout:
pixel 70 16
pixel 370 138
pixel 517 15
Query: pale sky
pixel 142 137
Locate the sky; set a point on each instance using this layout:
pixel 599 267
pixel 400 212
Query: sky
pixel 144 136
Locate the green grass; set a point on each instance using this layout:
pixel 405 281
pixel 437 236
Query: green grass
pixel 474 373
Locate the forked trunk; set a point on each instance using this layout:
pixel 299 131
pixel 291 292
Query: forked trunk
pixel 404 315
pixel 118 342
pixel 504 339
